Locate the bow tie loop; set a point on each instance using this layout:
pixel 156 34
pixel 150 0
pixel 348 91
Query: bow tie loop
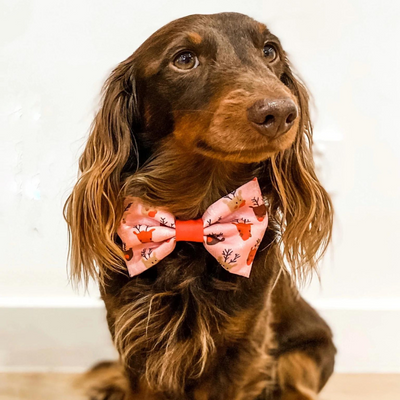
pixel 231 230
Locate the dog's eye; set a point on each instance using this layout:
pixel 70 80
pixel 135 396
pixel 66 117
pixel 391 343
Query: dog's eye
pixel 186 60
pixel 270 52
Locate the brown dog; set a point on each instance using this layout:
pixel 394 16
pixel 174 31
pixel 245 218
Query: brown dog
pixel 207 103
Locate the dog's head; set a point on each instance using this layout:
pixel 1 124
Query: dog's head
pixel 214 86
pixel 219 85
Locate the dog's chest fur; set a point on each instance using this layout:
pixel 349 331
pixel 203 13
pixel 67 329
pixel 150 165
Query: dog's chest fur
pixel 188 326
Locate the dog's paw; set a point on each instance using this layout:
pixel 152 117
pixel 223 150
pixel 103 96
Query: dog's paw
pixel 105 381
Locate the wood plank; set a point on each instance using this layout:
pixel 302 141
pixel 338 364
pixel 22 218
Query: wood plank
pixel 39 386
pixel 362 387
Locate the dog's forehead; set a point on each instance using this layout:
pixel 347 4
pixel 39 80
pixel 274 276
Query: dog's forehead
pixel 225 23
pixel 234 27
pixel 224 31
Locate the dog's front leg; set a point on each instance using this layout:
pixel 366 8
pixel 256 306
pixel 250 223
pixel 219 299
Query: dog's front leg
pixel 305 351
pixel 109 380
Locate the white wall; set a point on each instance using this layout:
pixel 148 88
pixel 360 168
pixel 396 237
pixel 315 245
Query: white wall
pixel 54 56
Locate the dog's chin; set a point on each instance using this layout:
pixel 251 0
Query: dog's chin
pixel 246 153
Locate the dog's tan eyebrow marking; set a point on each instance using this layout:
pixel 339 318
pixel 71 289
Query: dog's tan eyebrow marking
pixel 192 37
pixel 262 27
pixel 195 37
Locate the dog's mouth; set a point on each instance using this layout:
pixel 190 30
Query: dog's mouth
pixel 247 151
pixel 203 146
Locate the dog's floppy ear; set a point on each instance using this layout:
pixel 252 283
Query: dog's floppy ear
pixel 91 211
pixel 300 206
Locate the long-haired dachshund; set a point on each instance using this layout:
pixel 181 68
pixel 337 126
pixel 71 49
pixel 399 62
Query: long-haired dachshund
pixel 205 105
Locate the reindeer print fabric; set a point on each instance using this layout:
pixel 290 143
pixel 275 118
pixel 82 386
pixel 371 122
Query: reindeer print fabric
pixel 232 230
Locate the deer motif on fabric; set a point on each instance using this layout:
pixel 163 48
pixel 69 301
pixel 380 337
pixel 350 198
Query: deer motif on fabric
pixel 225 259
pixel 149 211
pixel 215 238
pixel 253 251
pixel 144 236
pixel 149 257
pixel 128 254
pixel 244 228
pixel 234 200
pixel 259 208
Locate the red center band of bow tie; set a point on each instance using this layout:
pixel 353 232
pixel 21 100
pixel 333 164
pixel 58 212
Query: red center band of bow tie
pixel 189 231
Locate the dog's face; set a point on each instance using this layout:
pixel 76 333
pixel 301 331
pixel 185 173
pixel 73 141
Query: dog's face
pixel 218 85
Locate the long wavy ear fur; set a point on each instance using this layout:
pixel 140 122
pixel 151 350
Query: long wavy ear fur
pixel 91 210
pixel 301 209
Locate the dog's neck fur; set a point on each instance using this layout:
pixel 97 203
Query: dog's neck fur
pixel 185 182
pixel 188 300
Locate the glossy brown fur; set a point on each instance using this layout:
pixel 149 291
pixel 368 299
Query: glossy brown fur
pixel 186 328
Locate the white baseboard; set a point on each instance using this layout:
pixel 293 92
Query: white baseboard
pixel 53 336
pixel 70 334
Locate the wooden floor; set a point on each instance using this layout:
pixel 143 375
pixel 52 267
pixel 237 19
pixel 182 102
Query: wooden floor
pixel 60 387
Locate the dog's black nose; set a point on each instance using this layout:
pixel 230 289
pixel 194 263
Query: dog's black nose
pixel 272 117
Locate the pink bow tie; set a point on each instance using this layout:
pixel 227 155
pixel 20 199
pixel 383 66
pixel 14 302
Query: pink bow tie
pixel 231 229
